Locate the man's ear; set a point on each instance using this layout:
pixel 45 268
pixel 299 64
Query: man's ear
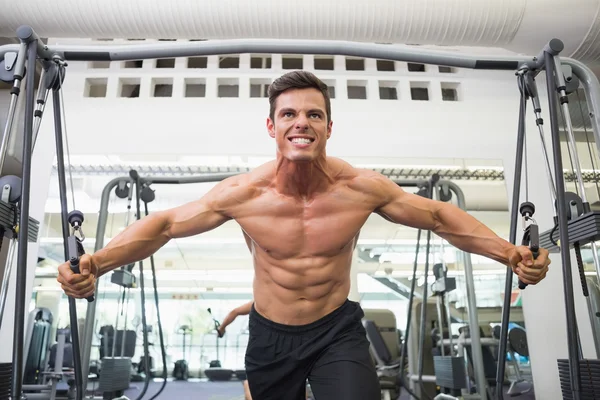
pixel 329 129
pixel 271 127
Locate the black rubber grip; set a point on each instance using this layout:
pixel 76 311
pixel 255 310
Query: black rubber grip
pixel 87 56
pixel 496 64
pixel 75 249
pixel 535 253
pixel 75 268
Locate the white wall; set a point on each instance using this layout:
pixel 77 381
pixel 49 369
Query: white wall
pixel 481 125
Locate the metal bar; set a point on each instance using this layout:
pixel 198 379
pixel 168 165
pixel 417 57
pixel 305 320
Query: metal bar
pixel 282 46
pixel 62 189
pixel 477 354
pixel 563 231
pixel 514 220
pixel 21 287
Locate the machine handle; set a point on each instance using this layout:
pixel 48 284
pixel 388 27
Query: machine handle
pixel 76 251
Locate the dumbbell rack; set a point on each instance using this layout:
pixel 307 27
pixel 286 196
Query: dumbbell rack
pixel 5 378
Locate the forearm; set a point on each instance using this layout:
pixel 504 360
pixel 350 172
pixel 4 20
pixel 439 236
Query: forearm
pixel 468 234
pixel 228 320
pixel 137 242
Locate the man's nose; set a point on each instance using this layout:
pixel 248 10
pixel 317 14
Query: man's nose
pixel 301 123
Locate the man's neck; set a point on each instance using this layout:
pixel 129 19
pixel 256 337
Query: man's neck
pixel 302 179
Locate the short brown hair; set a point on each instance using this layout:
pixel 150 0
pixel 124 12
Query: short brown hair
pixel 297 80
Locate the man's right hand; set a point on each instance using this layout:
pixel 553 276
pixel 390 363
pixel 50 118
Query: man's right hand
pixel 79 286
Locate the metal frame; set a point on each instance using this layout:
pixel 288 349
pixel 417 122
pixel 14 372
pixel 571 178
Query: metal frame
pixel 31 49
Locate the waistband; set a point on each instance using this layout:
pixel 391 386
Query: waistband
pixel 327 319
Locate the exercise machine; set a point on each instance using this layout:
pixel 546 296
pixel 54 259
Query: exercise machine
pixel 181 371
pixel 18 59
pixel 215 371
pixel 571 216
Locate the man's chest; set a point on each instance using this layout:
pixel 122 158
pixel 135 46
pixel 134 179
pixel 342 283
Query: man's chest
pixel 287 228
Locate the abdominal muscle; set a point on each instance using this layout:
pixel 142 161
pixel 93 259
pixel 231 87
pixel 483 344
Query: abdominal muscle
pixel 301 290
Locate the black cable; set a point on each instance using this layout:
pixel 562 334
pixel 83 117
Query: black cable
pixel 160 330
pixel 143 300
pixel 424 315
pixel 565 130
pixel 410 303
pixel 587 139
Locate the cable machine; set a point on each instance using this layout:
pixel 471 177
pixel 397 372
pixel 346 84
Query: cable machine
pixel 16 60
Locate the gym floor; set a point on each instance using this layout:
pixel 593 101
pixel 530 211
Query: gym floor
pixel 196 389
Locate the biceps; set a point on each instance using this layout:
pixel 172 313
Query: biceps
pixel 193 219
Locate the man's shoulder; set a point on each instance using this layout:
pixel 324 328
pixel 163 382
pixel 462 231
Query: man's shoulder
pixel 354 175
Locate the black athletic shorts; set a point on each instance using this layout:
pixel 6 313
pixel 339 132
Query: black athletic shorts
pixel 332 353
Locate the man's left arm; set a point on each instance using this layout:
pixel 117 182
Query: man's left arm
pixel 459 228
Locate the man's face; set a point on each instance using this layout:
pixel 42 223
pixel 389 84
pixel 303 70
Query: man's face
pixel 300 127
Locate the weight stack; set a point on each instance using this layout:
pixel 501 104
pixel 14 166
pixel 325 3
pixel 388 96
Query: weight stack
pixel 5 380
pixel 450 372
pixel 590 379
pixel 115 374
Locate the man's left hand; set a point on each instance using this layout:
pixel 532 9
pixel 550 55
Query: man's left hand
pixel 530 271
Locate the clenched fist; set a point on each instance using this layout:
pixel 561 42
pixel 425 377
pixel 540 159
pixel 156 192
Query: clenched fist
pixel 530 271
pixel 81 285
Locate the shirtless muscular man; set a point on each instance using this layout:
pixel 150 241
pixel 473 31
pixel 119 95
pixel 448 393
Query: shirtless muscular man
pixel 301 215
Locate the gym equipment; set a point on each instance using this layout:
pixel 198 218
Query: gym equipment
pixel 51 79
pixel 181 371
pixel 38 340
pixel 450 374
pixel 215 371
pixel 53 58
pixel 380 327
pixel 10 195
pixel 567 228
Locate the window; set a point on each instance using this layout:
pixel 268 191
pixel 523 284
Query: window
pixel 228 87
pixel 99 64
pixel 419 91
pixel 355 64
pixel 330 87
pixel 95 87
pixel 197 62
pixel 324 63
pixel 162 87
pixel 292 62
pixel 228 62
pixel 195 87
pixel 449 91
pixel 416 67
pixel 259 87
pixel 445 70
pixel 386 65
pixel 165 63
pixel 129 87
pixel 133 64
pixel 260 62
pixel 388 90
pixel 357 90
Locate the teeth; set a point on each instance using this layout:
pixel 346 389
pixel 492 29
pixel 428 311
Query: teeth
pixel 301 140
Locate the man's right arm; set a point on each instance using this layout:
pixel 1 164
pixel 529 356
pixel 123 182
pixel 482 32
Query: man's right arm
pixel 144 237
